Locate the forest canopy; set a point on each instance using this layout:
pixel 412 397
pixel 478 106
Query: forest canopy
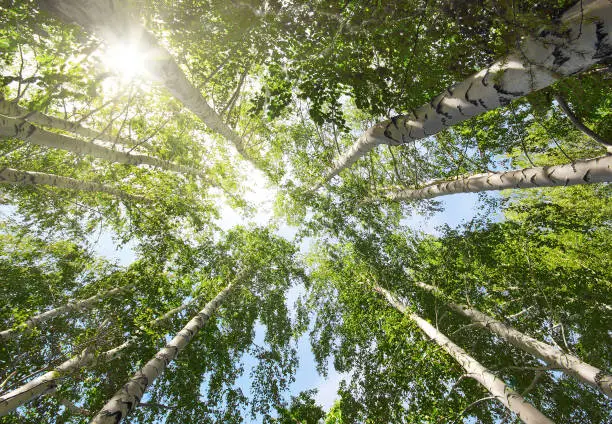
pixel 263 164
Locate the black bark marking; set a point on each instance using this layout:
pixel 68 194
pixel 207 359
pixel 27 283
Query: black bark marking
pixel 482 103
pixel 387 131
pixel 408 137
pixel 394 120
pixel 603 49
pixel 560 56
pixel 117 415
pixel 460 109
pixel 439 110
pixel 467 95
pixel 504 101
pixel 587 176
pixel 544 33
pixel 501 90
pixel 31 130
pixel 485 78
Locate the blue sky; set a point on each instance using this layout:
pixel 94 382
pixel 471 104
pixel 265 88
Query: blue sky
pixel 456 209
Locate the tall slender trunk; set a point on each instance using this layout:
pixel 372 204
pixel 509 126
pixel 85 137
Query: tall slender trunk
pixel 128 397
pixel 19 128
pixel 47 383
pixel 32 178
pixel 541 60
pixel 580 172
pixel 13 110
pixel 52 313
pixel 580 125
pixel 553 356
pixel 493 384
pixel 114 23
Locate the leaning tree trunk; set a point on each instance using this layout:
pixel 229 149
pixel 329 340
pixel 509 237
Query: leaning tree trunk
pixel 127 399
pixel 47 383
pixel 12 109
pixel 553 356
pixel 542 59
pixel 588 171
pixel 20 128
pixel 52 313
pixel 493 384
pixel 32 178
pixel 112 21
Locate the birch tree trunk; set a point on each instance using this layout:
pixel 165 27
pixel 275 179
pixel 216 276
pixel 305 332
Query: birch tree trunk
pixel 113 22
pixel 129 396
pixel 47 383
pixel 13 110
pixel 588 171
pixel 32 178
pixel 542 59
pixel 494 385
pixel 19 128
pixel 52 313
pixel 553 356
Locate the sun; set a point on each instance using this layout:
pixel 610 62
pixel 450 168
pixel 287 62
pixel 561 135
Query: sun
pixel 126 60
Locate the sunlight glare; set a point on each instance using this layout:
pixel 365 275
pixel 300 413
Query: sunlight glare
pixel 126 60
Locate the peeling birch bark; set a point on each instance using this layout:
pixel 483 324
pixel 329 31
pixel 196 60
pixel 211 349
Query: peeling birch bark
pixel 553 356
pixel 80 305
pixel 48 382
pixel 32 178
pixel 493 384
pixel 23 130
pixel 541 60
pixel 129 396
pixel 588 171
pixel 113 22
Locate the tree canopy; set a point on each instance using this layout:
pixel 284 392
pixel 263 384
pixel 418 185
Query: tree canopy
pixel 263 162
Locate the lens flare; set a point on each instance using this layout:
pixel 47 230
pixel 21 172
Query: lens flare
pixel 126 60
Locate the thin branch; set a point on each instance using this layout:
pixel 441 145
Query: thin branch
pixel 578 123
pixel 471 405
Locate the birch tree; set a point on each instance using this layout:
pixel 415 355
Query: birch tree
pixel 19 128
pixel 498 389
pixel 47 383
pixel 32 178
pixel 550 354
pixel 79 305
pixel 110 21
pixel 11 109
pixel 124 401
pixel 540 61
pixel 580 172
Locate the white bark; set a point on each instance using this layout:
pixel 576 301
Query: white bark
pixel 20 128
pixel 112 21
pixel 52 313
pixel 13 110
pixel 553 356
pixel 588 171
pixel 32 178
pixel 494 385
pixel 47 383
pixel 129 396
pixel 541 60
